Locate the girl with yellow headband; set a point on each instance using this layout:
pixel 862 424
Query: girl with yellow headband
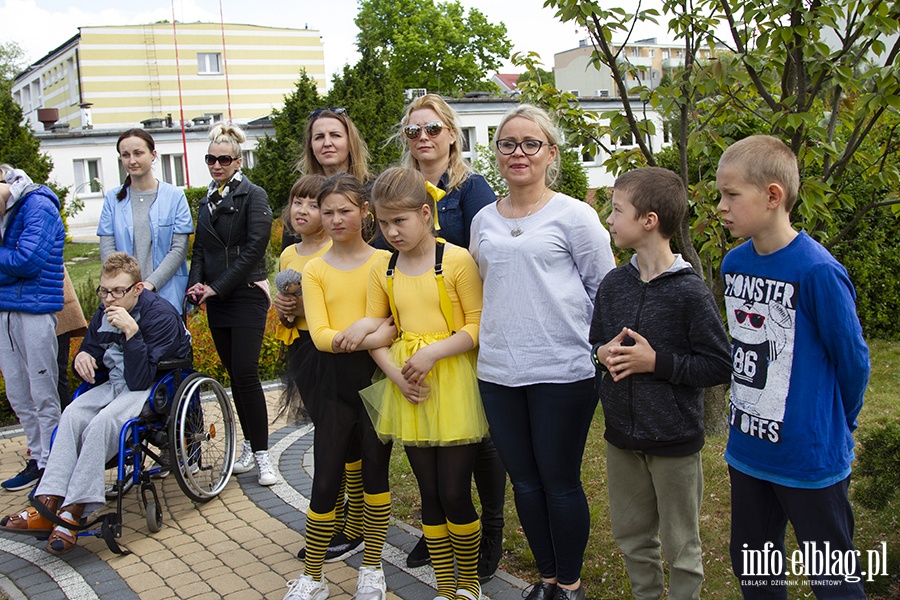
pixel 429 399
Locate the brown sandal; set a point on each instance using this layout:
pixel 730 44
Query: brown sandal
pixel 61 540
pixel 30 521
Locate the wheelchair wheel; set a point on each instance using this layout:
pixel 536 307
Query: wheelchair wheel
pixel 154 516
pixel 202 437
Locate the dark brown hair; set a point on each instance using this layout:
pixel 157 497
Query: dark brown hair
pixel 307 186
pixel 148 139
pixel 656 190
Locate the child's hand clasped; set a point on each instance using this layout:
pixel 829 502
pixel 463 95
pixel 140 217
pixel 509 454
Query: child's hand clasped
pixel 418 366
pixel 622 361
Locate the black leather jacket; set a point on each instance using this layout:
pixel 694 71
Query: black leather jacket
pixel 230 247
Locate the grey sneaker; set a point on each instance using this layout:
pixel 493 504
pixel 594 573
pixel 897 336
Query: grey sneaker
pixel 306 588
pixel 266 475
pixel 370 585
pixel 244 462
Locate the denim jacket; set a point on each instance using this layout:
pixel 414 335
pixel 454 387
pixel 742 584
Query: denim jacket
pixel 457 209
pixel 169 215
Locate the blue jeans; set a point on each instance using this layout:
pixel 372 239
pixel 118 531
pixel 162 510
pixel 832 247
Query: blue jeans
pixel 540 431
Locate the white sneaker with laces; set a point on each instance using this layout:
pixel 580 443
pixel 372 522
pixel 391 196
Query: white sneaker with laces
pixel 267 474
pixel 370 585
pixel 245 461
pixel 306 588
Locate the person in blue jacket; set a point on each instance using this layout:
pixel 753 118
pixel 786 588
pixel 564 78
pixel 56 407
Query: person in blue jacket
pixel 31 291
pixel 147 218
pixel 132 331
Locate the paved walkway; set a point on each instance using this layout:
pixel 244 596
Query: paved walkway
pixel 241 545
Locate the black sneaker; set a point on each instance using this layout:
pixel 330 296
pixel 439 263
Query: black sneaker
pixel 419 557
pixel 489 554
pixel 540 591
pixel 26 478
pixel 339 548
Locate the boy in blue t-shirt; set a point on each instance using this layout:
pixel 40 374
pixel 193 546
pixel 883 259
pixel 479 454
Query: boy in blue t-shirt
pixel 800 369
pixel 658 340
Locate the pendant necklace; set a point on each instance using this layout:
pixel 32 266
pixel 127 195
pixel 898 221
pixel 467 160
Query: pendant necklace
pixel 517 231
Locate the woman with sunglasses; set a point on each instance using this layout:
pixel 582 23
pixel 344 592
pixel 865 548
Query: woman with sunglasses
pixel 433 136
pixel 228 274
pixel 148 219
pixel 542 255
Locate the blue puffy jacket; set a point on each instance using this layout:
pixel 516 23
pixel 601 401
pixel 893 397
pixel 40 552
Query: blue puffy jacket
pixel 31 254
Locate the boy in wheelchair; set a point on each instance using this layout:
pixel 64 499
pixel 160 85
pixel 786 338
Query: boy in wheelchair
pixel 131 332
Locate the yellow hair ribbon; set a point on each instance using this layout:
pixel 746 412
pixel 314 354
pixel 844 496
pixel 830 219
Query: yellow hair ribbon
pixel 436 193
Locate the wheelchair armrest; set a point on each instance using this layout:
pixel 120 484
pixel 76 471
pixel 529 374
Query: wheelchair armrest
pixel 170 364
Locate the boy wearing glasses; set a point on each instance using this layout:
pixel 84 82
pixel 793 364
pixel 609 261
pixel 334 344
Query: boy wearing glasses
pixel 800 368
pixel 31 291
pixel 131 332
pixel 658 340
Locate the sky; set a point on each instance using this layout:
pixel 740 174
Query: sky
pixel 39 26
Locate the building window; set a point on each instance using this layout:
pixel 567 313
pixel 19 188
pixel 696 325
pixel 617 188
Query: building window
pixel 468 144
pixel 586 157
pixel 173 169
pixel 249 159
pixel 87 176
pixel 72 81
pixel 209 63
pixel 626 140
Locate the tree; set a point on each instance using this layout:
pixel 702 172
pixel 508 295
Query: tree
pixel 276 157
pixel 374 98
pixel 434 46
pixel 18 146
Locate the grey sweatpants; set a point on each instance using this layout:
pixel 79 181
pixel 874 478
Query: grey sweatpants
pixel 87 437
pixel 28 362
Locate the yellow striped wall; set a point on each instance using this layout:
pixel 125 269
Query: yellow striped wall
pixel 129 73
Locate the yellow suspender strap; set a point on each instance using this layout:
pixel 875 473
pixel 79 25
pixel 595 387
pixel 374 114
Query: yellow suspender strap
pixel 446 305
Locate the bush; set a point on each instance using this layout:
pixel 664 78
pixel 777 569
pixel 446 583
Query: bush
pixel 878 466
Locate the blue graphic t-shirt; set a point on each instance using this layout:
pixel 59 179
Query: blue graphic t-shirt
pixel 800 364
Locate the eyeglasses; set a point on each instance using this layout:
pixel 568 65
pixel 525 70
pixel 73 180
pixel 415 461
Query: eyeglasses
pixel 102 292
pixel 432 129
pixel 756 320
pixel 223 160
pixel 507 146
pixel 338 110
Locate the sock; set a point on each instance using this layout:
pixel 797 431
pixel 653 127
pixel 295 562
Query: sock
pixel 465 539
pixel 318 533
pixel 376 513
pixel 339 505
pixel 353 528
pixel 438 540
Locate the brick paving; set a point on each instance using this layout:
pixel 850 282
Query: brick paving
pixel 239 546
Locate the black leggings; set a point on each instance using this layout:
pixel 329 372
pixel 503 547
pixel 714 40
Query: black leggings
pixel 444 474
pixel 238 349
pixel 342 423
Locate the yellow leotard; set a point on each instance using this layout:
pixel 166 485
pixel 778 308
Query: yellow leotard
pixel 452 414
pixel 334 299
pixel 291 260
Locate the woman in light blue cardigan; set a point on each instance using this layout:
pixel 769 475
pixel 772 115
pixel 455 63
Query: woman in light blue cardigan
pixel 148 219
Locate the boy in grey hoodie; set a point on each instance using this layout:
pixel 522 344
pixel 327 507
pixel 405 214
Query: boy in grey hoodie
pixel 658 340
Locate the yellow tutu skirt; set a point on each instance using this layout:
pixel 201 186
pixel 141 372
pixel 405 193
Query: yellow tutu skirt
pixel 452 415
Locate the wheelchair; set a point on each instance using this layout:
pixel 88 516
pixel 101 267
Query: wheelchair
pixel 187 427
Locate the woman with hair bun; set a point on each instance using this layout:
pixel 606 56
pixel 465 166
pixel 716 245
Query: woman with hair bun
pixel 148 219
pixel 228 274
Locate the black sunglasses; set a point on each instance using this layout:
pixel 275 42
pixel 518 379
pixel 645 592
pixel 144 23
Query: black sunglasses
pixel 223 160
pixel 432 129
pixel 337 110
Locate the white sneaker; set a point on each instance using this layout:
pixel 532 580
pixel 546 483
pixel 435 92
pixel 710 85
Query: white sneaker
pixel 370 585
pixel 267 474
pixel 306 588
pixel 245 461
pixel 467 595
